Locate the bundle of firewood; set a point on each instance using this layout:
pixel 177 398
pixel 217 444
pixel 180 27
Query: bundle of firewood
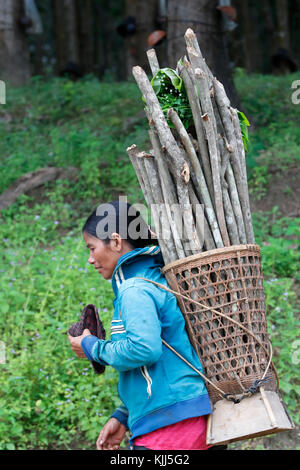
pixel 194 177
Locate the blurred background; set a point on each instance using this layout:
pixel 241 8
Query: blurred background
pixel 69 108
pixel 106 38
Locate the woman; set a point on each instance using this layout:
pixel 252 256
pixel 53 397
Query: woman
pixel 164 401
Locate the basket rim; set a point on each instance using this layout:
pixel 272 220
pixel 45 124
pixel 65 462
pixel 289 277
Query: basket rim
pixel 206 254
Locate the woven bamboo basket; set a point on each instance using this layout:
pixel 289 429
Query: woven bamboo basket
pixel 221 295
pixel 228 282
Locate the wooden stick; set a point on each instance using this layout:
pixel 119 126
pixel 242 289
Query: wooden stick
pixel 210 127
pixel 173 116
pixel 229 213
pixel 239 141
pixel 202 82
pixel 191 41
pixel 153 62
pixel 226 169
pixel 132 152
pixel 230 220
pixel 205 232
pixel 225 151
pixel 137 163
pixel 168 191
pixel 164 232
pixel 149 180
pixel 233 192
pixel 226 154
pixel 241 150
pixel 224 105
pixel 165 248
pixel 210 130
pixel 197 113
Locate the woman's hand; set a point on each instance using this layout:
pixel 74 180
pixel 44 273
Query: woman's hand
pixel 111 435
pixel 76 343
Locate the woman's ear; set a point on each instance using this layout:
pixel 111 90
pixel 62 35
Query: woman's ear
pixel 116 242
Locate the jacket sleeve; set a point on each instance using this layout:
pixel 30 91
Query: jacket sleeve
pixel 142 345
pixel 121 414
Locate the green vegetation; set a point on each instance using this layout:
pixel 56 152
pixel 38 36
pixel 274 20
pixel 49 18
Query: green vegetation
pixel 275 140
pixel 48 397
pixel 170 91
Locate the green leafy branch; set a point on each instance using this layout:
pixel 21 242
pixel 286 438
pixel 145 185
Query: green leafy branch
pixel 170 91
pixel 244 123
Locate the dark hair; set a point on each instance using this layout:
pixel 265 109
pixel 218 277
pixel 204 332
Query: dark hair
pixel 119 217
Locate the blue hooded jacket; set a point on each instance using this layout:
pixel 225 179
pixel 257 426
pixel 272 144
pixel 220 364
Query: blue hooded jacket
pixel 156 387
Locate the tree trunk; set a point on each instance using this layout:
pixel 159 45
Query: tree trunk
pixel 206 21
pixel 14 49
pixel 283 34
pixel 270 44
pixel 136 45
pixel 86 35
pixel 283 61
pixel 110 53
pixel 295 30
pixel 248 16
pixel 66 34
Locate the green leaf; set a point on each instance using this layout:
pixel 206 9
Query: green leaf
pixel 4 308
pixel 243 118
pixel 244 123
pixel 10 446
pixel 157 80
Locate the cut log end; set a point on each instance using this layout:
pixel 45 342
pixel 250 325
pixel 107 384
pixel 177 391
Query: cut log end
pixel 151 53
pixel 132 147
pixel 189 34
pixel 137 70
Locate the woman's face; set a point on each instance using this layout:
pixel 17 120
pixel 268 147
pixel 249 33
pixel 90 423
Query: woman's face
pixel 104 256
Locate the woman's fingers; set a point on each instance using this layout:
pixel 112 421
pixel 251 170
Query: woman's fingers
pixel 99 442
pixel 107 444
pixel 102 440
pixel 110 436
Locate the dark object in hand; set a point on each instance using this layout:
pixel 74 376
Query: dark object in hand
pixel 90 320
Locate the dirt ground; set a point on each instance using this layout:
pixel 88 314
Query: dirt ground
pixel 287 440
pixel 284 192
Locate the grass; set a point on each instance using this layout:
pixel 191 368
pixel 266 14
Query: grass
pixel 49 398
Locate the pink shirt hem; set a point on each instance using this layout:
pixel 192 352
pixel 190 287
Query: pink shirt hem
pixel 189 434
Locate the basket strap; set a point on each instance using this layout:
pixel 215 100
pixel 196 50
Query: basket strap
pixel 257 383
pixel 194 368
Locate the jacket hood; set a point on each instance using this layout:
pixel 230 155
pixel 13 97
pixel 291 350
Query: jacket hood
pixel 137 262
